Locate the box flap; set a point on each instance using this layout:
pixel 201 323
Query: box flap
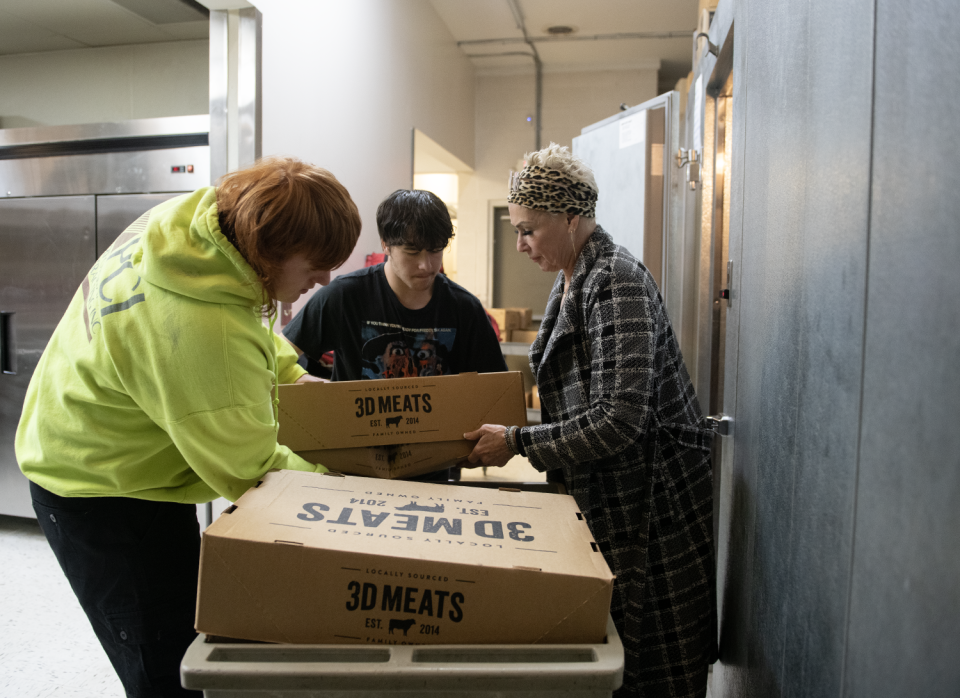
pixel 398 518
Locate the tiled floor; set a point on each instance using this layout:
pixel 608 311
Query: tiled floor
pixel 47 648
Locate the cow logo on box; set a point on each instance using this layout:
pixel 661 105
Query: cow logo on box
pixel 413 506
pixel 403 625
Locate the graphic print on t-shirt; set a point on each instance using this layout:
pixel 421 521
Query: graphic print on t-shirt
pixel 393 351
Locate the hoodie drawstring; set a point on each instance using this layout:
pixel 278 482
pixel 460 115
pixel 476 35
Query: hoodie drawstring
pixel 272 317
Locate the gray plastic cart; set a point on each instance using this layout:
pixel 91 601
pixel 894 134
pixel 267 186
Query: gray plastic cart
pixel 233 669
pixel 224 668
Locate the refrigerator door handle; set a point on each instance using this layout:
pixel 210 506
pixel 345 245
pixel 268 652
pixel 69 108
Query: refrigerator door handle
pixel 722 424
pixel 8 343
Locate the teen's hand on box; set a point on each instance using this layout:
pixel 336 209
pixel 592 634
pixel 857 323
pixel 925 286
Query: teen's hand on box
pixel 491 450
pixel 307 378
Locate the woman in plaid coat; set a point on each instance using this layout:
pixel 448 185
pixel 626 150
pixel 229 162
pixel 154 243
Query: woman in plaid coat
pixel 621 425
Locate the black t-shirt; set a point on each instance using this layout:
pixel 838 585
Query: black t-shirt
pixel 373 335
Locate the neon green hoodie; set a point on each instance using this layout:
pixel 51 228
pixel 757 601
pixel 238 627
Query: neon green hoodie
pixel 158 382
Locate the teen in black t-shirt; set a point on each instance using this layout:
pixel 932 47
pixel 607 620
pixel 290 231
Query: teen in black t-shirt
pixel 402 318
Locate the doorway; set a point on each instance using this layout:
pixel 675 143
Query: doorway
pixel 715 233
pixel 437 170
pixel 517 282
pixel 718 305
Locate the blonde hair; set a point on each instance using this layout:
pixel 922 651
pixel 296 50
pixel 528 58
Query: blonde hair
pixel 559 157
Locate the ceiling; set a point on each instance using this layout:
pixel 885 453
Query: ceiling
pixel 33 26
pixel 601 40
pixel 604 34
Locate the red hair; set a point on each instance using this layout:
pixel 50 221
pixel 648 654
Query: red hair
pixel 281 207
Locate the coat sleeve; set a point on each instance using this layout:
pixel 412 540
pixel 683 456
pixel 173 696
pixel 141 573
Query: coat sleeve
pixel 608 386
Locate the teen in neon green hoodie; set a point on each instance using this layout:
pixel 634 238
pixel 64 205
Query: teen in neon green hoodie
pixel 158 382
pixel 157 390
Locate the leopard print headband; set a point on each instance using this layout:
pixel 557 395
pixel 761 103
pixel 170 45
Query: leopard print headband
pixel 552 191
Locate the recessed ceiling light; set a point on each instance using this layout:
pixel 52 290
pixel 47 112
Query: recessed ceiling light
pixel 561 29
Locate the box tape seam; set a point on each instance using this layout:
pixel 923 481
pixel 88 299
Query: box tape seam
pixel 564 619
pixel 493 406
pixel 279 476
pixel 305 430
pixel 236 578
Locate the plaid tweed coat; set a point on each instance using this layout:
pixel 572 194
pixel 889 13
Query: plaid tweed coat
pixel 622 423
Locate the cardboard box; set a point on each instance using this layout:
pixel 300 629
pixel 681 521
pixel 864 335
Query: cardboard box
pixel 392 462
pixel 350 414
pixel 523 336
pixel 507 319
pixel 525 317
pixel 323 558
pixel 535 398
pixel 400 427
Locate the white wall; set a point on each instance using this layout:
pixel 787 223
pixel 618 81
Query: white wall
pixel 571 100
pixel 115 83
pixel 345 84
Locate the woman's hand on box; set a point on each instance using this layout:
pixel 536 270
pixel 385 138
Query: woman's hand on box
pixel 491 450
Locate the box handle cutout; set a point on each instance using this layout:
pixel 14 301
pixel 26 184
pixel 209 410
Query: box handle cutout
pixel 528 569
pixel 579 516
pixel 288 542
pixel 509 489
pixel 333 473
pixel 596 548
pixel 230 509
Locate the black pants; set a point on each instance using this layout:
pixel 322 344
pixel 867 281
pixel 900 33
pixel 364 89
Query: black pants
pixel 133 565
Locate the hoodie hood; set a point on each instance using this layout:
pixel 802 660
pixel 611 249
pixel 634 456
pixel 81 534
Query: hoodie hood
pixel 182 250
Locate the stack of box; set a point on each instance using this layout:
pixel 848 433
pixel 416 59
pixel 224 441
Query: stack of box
pixel 515 324
pixel 400 427
pixel 507 320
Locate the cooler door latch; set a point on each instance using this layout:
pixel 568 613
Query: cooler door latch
pixel 721 423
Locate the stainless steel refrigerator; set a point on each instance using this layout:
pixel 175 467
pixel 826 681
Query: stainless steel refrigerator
pixel 631 154
pixel 66 193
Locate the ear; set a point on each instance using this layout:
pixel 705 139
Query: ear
pixel 384 247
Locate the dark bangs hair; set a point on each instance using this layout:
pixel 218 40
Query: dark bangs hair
pixel 416 218
pixel 281 207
